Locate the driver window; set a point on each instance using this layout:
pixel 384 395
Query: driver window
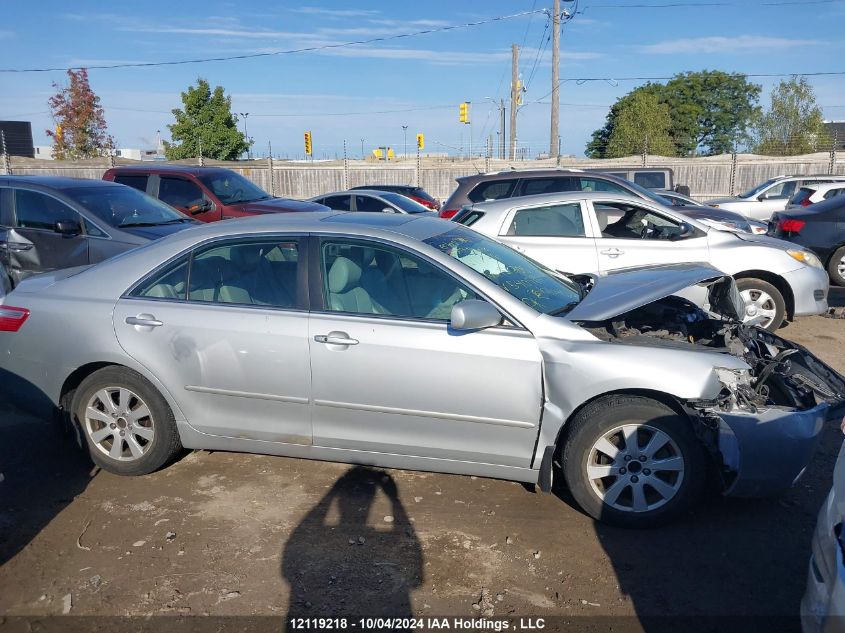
pixel 179 193
pixel 781 191
pixel 35 210
pixel 371 279
pixel 619 220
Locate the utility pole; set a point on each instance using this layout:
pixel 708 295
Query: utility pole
pixel 514 98
pixel 554 145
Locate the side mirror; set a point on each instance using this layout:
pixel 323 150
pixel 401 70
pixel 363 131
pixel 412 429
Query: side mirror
pixel 388 210
pixel 473 314
pixel 686 230
pixel 763 196
pixel 68 227
pixel 199 207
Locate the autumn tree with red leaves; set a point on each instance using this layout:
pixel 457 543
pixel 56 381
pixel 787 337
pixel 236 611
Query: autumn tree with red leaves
pixel 80 130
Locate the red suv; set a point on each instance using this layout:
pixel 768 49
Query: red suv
pixel 206 193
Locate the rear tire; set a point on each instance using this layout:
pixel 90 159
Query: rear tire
pixel 836 267
pixel 126 422
pixel 766 299
pixel 656 473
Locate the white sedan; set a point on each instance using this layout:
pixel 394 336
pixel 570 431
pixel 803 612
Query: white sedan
pixel 586 232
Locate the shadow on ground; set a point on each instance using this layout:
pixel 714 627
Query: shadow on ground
pixel 43 470
pixel 340 561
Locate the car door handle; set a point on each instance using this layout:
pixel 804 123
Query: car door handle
pixel 612 252
pixel 145 320
pixel 335 338
pixel 18 248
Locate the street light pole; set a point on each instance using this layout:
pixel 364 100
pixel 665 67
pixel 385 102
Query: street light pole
pixel 246 136
pixel 405 134
pixel 362 149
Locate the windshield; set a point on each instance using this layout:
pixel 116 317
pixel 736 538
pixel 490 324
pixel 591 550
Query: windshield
pixel 523 278
pixel 758 189
pixel 124 206
pixel 406 204
pixel 232 188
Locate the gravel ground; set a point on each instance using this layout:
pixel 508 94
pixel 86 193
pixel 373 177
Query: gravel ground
pixel 231 534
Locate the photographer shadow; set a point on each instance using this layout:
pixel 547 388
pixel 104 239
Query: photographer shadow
pixel 340 564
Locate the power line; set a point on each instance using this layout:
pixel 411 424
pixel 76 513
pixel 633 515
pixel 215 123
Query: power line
pixel 674 5
pixel 304 114
pixel 307 49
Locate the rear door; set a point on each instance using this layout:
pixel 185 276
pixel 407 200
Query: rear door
pixel 557 235
pixel 31 243
pixel 225 328
pixel 629 234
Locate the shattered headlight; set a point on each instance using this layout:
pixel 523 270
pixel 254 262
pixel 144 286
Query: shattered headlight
pixel 805 257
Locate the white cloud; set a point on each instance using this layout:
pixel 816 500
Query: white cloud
pixel 336 13
pixel 722 44
pixel 6 35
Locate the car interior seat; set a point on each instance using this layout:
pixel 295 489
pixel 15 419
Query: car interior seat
pixel 345 291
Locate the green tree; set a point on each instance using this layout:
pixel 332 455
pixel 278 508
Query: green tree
pixel 642 125
pixel 205 126
pixel 794 123
pixel 709 112
pixel 80 125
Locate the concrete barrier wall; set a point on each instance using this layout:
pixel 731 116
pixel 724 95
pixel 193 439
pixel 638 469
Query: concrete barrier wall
pixel 707 177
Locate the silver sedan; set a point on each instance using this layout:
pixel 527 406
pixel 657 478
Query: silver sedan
pixel 413 342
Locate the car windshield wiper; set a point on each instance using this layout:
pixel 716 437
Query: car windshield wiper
pixel 173 221
pixel 123 225
pixel 569 306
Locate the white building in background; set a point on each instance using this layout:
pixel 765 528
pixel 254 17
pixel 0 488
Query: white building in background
pixel 44 152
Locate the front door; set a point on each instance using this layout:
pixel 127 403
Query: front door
pixel 187 196
pixel 31 242
pixel 225 328
pixel 390 376
pixel 636 235
pixel 556 235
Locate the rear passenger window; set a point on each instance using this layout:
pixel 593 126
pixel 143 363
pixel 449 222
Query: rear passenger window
pixel 596 184
pixel 368 204
pixel 495 190
pixel 535 186
pixel 339 203
pixel 136 181
pixel 244 273
pixel 172 283
pixel 562 220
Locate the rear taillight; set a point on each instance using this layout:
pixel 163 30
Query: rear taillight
pixel 424 202
pixel 448 213
pixel 806 202
pixel 791 225
pixel 11 318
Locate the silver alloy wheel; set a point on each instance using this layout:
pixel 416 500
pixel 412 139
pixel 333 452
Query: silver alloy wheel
pixel 635 468
pixel 840 267
pixel 759 303
pixel 119 423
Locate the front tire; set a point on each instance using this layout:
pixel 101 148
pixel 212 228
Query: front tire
pixel 836 267
pixel 632 461
pixel 762 299
pixel 126 422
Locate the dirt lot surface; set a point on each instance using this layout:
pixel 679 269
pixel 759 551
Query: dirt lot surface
pixel 231 534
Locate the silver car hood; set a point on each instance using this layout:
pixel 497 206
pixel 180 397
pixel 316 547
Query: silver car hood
pixel 621 291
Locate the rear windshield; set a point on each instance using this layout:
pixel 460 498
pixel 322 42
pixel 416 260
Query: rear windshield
pixel 803 194
pixel 406 204
pixel 468 217
pixel 493 190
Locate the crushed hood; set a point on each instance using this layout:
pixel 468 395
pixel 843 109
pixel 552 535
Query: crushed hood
pixel 621 291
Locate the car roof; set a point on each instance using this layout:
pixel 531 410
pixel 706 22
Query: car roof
pixel 56 182
pixel 372 192
pixel 818 186
pixel 381 187
pixel 181 169
pixel 564 196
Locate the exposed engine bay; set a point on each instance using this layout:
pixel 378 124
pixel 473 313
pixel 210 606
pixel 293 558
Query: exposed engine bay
pixel 782 373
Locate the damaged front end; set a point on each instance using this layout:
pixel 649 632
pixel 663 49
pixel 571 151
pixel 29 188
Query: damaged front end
pixel 763 426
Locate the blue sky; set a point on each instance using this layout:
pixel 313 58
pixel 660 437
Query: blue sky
pixel 427 75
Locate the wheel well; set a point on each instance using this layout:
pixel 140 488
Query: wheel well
pixel 778 282
pixel 74 380
pixel 663 398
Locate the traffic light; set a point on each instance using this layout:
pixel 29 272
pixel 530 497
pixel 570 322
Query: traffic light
pixel 308 148
pixel 463 112
pixel 420 141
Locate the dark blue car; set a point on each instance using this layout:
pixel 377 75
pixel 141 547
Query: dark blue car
pixel 49 222
pixel 820 228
